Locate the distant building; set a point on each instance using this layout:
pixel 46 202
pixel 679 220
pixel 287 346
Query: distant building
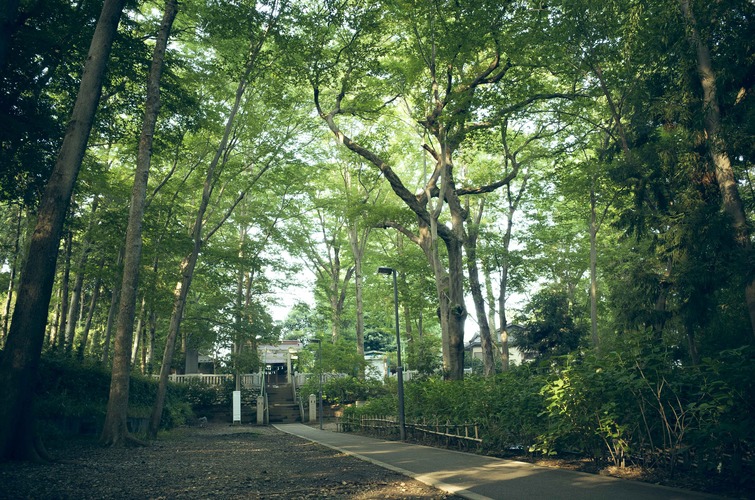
pixel 473 348
pixel 377 366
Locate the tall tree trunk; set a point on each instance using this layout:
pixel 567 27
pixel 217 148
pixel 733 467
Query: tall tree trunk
pixel 18 368
pixel 457 313
pixel 114 430
pixel 727 183
pixel 357 250
pixel 179 303
pixel 189 262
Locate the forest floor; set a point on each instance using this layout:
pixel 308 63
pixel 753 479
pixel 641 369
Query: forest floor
pixel 243 461
pixel 215 461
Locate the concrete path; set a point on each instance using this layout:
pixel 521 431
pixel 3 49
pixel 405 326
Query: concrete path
pixel 478 477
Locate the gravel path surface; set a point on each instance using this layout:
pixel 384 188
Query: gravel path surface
pixel 216 461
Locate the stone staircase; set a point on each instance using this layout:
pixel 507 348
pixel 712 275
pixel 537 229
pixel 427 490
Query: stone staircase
pixel 283 409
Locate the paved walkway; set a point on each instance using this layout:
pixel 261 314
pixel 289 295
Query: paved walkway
pixel 477 477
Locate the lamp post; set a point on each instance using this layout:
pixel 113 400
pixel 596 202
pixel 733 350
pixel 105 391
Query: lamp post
pixel 399 368
pixel 319 362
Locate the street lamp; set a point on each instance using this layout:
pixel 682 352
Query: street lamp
pixel 319 362
pixel 400 368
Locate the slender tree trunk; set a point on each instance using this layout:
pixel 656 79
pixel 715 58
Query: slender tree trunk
pixel 357 250
pixel 90 313
pixel 490 297
pixel 503 292
pixel 593 230
pixel 190 261
pixel 52 335
pixel 470 246
pixel 18 368
pixel 138 333
pixel 12 282
pixel 179 303
pixel 239 316
pixel 727 183
pixel 76 301
pixel 151 337
pixel 115 430
pixel 62 325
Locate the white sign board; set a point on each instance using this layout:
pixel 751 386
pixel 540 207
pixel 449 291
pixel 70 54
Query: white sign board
pixel 237 406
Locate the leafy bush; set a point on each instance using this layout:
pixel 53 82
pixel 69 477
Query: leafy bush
pixel 344 390
pixel 72 388
pixel 506 407
pixel 637 404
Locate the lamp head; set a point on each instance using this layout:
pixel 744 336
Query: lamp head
pixel 385 270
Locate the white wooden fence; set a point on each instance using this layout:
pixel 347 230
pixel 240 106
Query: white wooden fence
pixel 248 380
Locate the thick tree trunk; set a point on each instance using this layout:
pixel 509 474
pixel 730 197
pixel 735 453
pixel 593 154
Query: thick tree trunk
pixel 457 313
pixel 115 431
pixel 18 368
pixel 731 201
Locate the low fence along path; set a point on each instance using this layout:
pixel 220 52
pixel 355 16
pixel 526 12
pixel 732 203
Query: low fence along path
pixel 478 477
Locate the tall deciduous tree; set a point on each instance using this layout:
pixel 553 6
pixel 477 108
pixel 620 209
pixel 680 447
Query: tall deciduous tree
pixel 115 430
pixel 727 183
pixel 261 31
pixel 18 365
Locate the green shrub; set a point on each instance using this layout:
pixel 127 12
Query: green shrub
pixel 344 390
pixel 68 388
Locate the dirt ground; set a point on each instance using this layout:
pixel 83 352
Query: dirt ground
pixel 216 461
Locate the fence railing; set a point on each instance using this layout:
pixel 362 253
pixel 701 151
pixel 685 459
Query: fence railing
pixel 449 434
pixel 248 380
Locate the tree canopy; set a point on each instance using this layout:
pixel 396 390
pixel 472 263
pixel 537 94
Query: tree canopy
pixel 583 167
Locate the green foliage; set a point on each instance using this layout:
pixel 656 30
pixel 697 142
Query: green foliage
pixel 68 388
pixel 345 390
pixel 551 329
pixel 507 407
pixel 632 404
pixel 637 401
